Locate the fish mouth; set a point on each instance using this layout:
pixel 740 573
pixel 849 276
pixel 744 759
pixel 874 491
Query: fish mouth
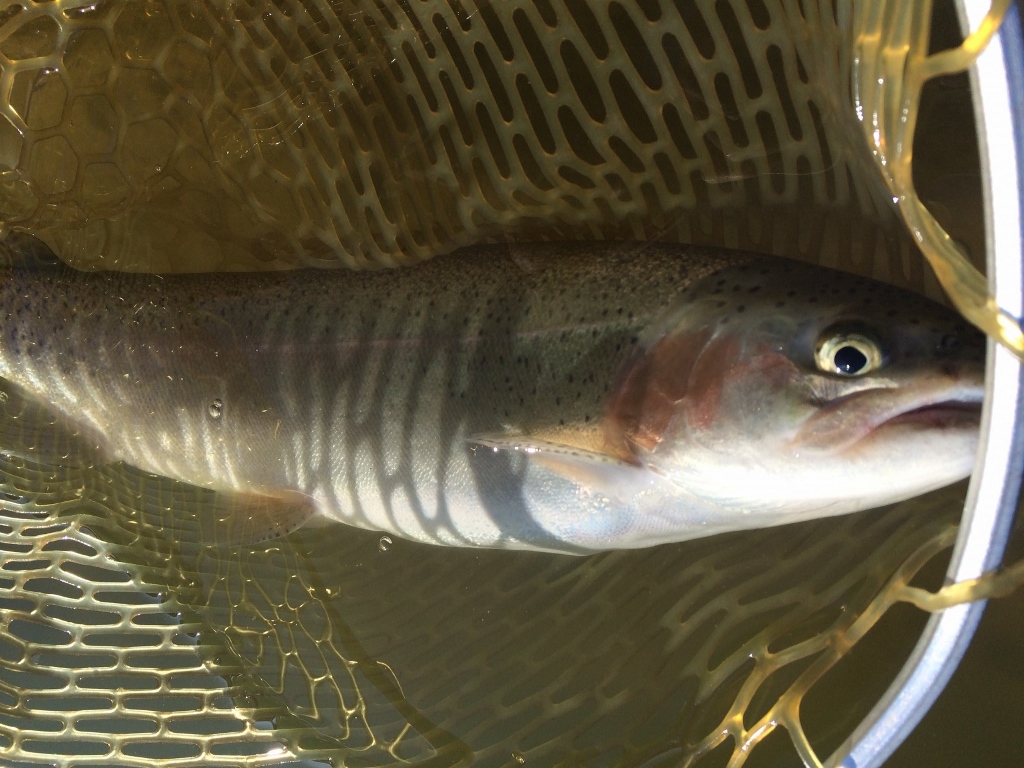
pixel 942 414
pixel 877 412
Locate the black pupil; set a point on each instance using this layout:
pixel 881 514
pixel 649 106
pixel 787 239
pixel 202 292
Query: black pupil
pixel 849 359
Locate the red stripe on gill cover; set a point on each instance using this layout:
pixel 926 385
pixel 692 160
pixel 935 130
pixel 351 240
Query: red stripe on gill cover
pixel 708 377
pixel 651 387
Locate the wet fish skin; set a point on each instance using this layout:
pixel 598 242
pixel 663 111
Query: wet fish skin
pixel 561 398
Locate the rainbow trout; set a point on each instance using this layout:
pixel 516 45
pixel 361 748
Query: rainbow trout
pixel 566 398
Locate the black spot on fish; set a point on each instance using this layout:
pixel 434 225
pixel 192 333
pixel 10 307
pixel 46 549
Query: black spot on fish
pixel 949 343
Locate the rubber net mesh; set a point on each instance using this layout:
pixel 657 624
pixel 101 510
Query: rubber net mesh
pixel 213 134
pixel 176 136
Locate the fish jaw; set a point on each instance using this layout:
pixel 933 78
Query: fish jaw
pixel 910 441
pixel 843 424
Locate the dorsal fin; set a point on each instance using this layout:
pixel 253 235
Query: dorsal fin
pixel 20 250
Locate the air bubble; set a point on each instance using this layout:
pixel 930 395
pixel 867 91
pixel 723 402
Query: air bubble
pixel 385 543
pixel 216 408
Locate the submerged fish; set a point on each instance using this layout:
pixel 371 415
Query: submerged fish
pixel 567 398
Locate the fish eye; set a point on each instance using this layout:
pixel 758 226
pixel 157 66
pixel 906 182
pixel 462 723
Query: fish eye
pixel 846 353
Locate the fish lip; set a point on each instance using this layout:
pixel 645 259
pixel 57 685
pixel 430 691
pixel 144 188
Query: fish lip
pixel 924 413
pixel 945 407
pixel 848 420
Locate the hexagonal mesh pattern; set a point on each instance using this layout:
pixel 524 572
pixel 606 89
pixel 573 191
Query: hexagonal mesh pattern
pixel 187 135
pixel 124 641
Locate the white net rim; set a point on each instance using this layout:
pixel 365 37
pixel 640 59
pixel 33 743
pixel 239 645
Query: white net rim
pixel 997 81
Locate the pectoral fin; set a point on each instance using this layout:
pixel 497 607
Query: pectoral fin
pixel 593 470
pixel 566 498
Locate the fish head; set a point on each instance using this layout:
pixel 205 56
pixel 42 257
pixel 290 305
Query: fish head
pixel 801 391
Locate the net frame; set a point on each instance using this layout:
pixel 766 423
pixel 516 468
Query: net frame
pixel 991 504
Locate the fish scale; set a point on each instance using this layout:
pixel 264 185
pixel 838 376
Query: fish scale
pixel 546 397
